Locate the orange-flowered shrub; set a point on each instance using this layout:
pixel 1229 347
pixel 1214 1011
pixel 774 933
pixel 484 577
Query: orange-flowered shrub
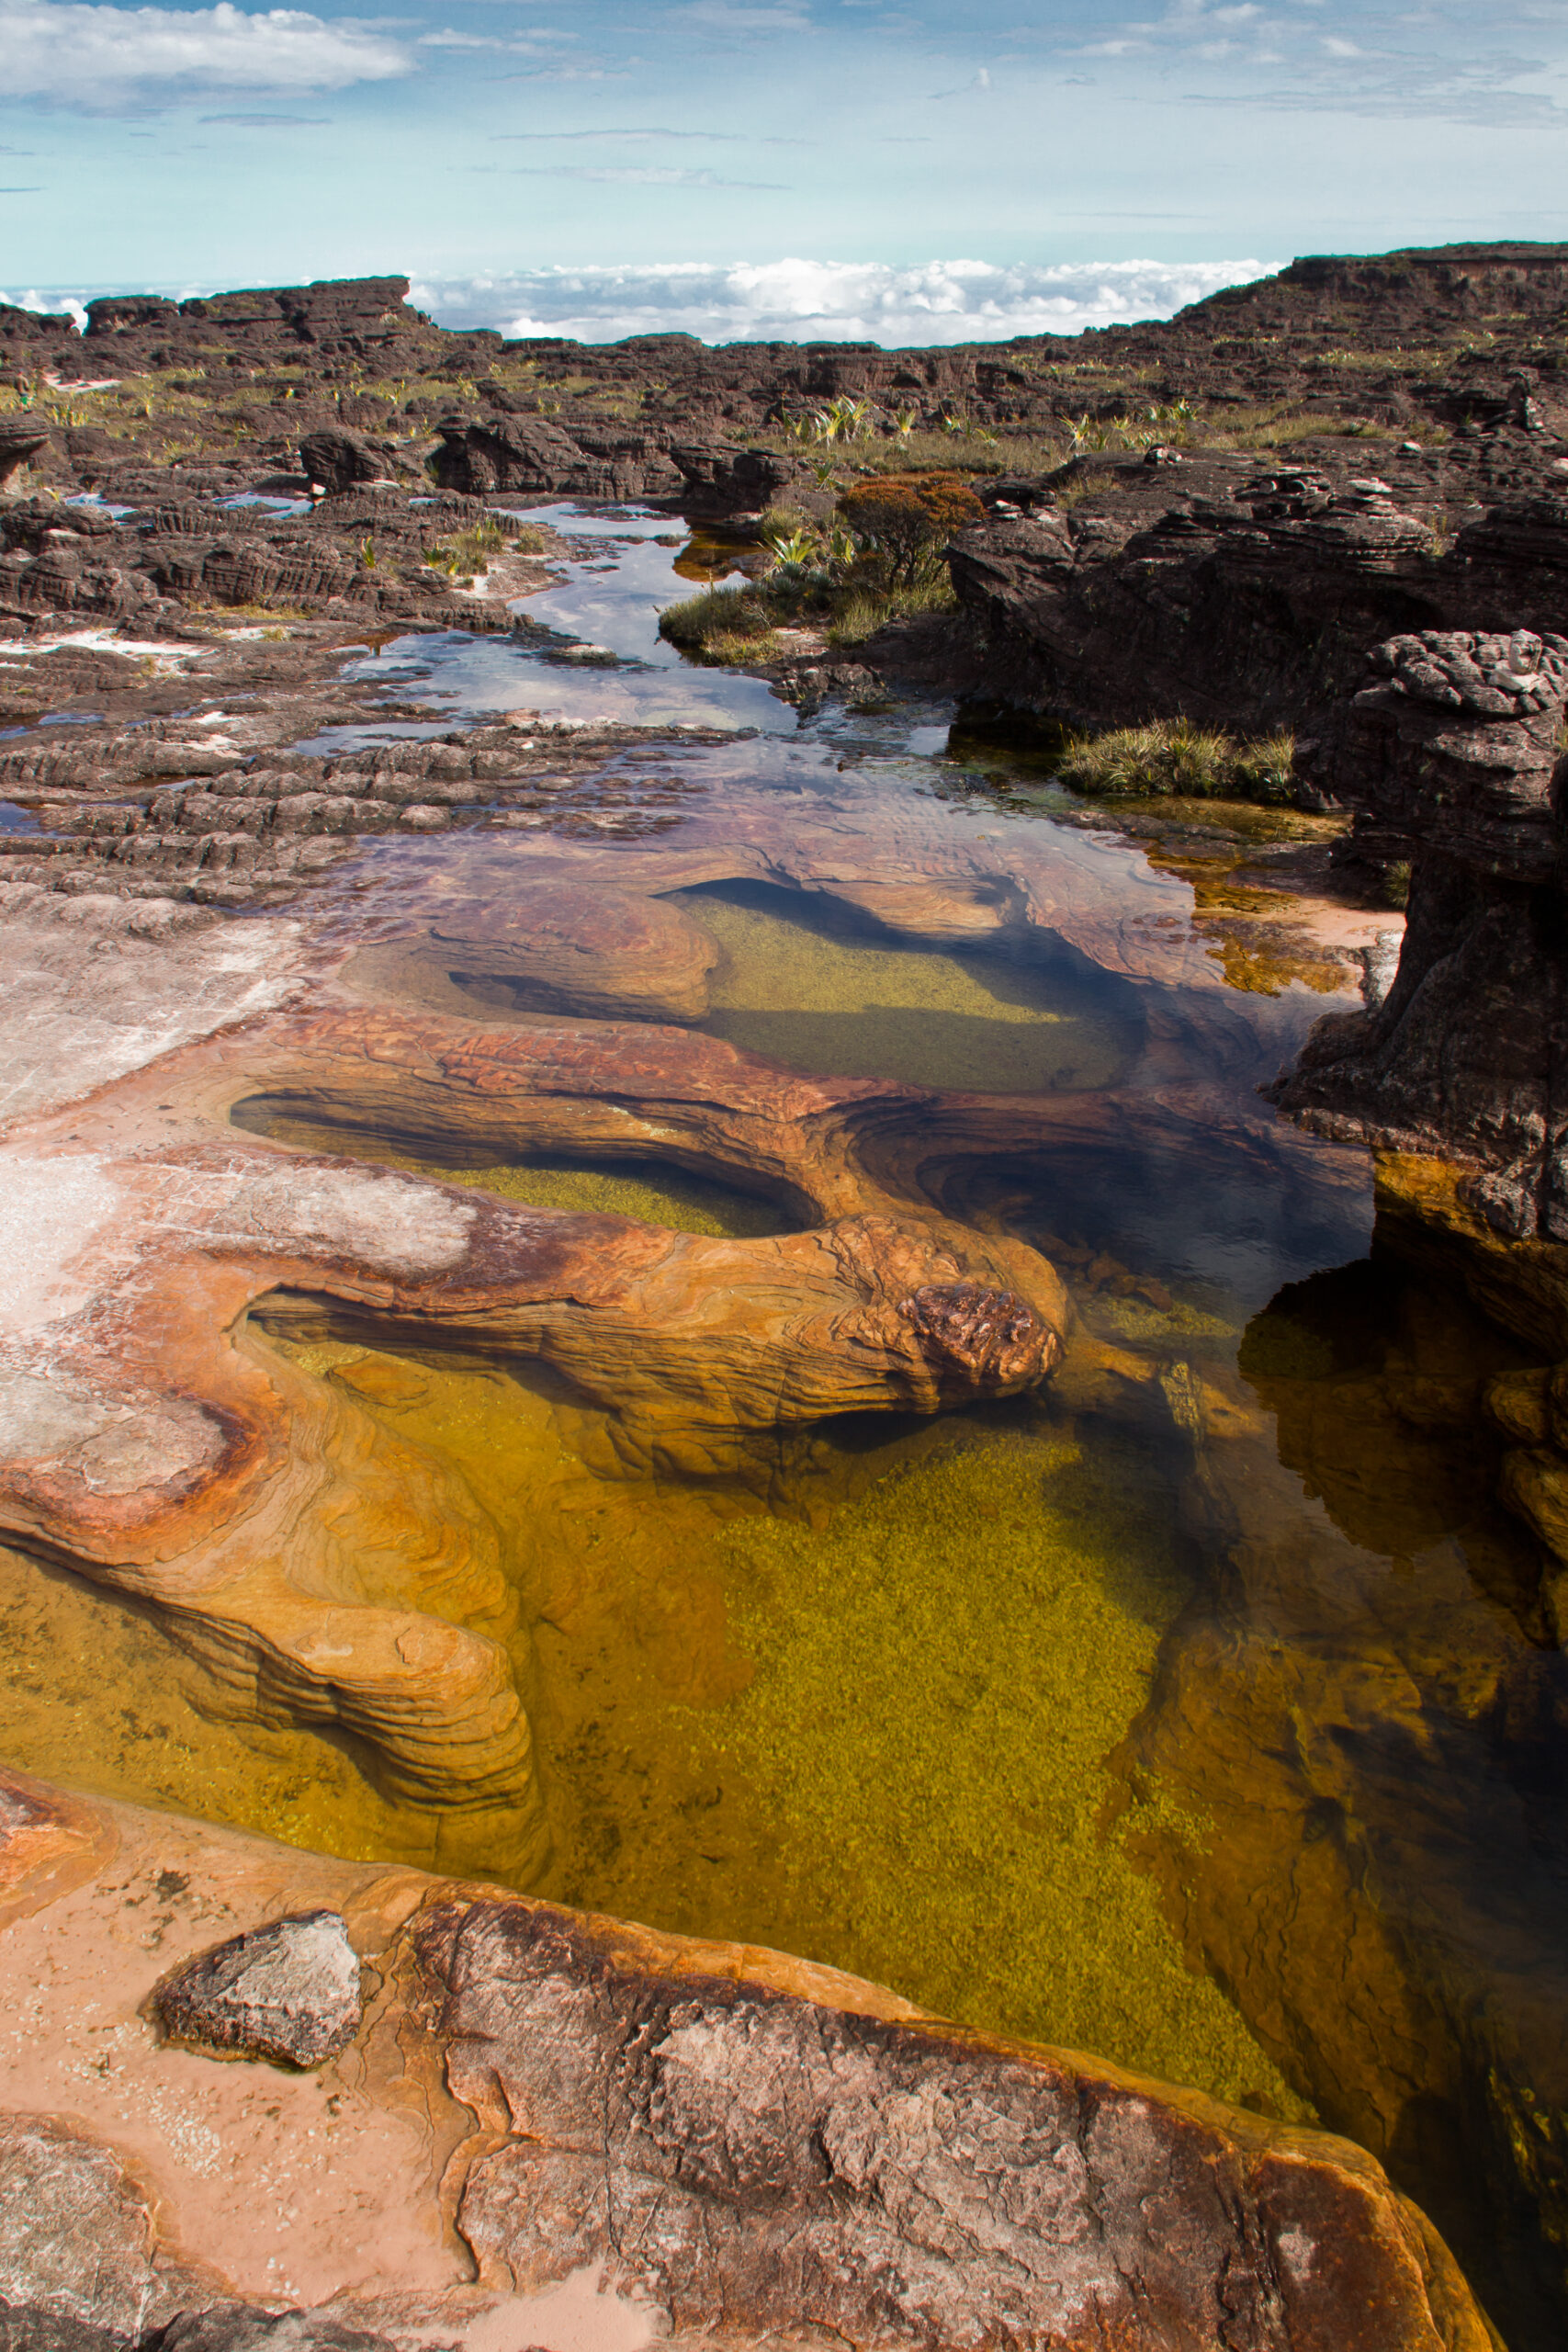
pixel 907 519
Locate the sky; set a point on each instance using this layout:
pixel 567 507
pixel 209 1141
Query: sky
pixel 904 170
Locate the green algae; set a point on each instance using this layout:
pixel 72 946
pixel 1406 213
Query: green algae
pixel 1135 1320
pixel 800 983
pixel 941 1680
pixel 874 1719
pixel 649 1191
pixel 645 1190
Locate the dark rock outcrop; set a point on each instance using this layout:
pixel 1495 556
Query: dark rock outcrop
pixel 1245 598
pixel 338 458
pixel 536 453
pixel 288 1993
pixel 1453 761
pixel 21 439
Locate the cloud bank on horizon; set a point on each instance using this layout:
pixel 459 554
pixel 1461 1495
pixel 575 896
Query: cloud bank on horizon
pixel 797 301
pixel 809 301
pixel 516 142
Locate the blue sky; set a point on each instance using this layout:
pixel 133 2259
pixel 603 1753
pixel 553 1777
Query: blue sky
pixel 485 146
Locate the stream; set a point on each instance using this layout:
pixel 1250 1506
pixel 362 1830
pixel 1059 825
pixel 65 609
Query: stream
pixel 1198 1713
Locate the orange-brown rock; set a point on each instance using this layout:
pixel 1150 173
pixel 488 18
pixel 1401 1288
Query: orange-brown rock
pixel 553 2130
pixel 612 953
pixel 324 1572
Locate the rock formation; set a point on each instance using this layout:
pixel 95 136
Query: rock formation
pixel 288 1992
pixel 1450 759
pixel 547 2116
pixel 207 1201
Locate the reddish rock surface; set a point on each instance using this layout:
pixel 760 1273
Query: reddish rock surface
pixel 548 2119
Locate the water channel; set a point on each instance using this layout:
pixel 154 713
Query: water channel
pixel 1220 1736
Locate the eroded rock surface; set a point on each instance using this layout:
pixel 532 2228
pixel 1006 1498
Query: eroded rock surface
pixel 609 953
pixel 1452 760
pixel 731 2145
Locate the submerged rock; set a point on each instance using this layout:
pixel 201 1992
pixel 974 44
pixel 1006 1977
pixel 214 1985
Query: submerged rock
pixel 289 1993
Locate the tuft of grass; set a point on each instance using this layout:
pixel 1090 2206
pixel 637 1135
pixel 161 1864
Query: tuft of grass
pixel 1172 756
pixel 719 616
pixel 465 553
pixel 1082 486
pixel 864 611
pixel 732 649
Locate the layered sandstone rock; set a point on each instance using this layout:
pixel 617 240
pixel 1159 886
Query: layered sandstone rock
pixel 611 954
pixel 323 1572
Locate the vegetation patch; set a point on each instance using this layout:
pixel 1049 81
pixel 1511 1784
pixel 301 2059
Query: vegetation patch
pixel 881 557
pixel 1171 755
pixel 464 554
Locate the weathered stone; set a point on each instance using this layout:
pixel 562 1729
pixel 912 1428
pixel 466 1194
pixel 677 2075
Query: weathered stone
pixel 591 950
pixel 79 2237
pixel 704 2142
pixel 338 458
pixel 21 439
pixel 237 2327
pixel 289 1992
pixel 721 2144
pixel 1467 1054
pixel 29 2327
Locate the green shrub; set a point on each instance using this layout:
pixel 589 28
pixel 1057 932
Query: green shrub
pixel 1173 756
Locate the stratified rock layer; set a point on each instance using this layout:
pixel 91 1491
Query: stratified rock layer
pixel 1452 760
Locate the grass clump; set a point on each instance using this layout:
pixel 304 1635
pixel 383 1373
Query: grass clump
pixel 717 612
pixel 864 611
pixel 464 554
pixel 723 626
pixel 1173 756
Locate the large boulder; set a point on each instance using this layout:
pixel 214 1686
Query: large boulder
pixel 338 458
pixel 608 2126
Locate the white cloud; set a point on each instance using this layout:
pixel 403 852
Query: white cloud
pixel 981 81
pixel 636 175
pixel 527 46
pixel 45 303
pixel 90 55
pixel 802 301
pixel 732 17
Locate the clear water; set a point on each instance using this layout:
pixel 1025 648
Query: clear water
pixel 1200 1710
pixel 609 597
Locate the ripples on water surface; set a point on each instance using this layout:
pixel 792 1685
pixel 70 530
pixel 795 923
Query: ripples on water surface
pixel 1223 1759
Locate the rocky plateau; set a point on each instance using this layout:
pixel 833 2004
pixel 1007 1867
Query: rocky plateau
pixel 297 937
